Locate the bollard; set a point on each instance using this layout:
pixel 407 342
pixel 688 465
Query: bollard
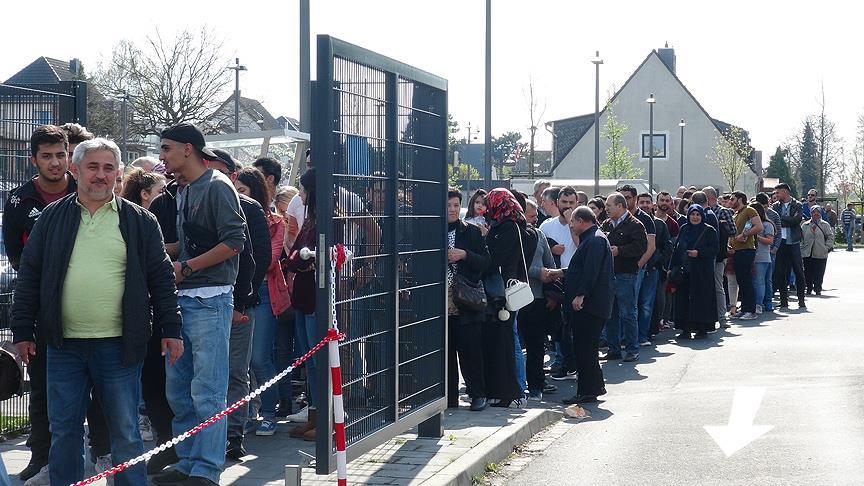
pixel 293 475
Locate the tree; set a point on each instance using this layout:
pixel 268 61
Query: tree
pixel 779 169
pixel 505 148
pixel 169 81
pixel 535 118
pixel 452 142
pixel 856 173
pixel 619 160
pixel 808 159
pixel 829 147
pixel 461 172
pixel 731 153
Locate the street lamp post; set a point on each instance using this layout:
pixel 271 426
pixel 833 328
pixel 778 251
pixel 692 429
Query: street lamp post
pixel 487 152
pixel 651 102
pixel 237 67
pixel 682 125
pixel 597 61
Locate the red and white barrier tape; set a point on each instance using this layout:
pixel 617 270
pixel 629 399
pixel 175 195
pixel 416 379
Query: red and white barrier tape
pixel 331 336
pixel 338 256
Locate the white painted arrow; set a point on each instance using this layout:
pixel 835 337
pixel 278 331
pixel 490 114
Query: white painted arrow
pixel 740 431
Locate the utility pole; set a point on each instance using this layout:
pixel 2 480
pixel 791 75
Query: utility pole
pixel 237 67
pixel 305 78
pixel 487 149
pixel 597 61
pixel 124 95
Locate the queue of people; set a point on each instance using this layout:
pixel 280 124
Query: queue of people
pixel 608 274
pixel 151 296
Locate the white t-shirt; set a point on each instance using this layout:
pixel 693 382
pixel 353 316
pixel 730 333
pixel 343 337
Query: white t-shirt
pixel 553 229
pixel 297 210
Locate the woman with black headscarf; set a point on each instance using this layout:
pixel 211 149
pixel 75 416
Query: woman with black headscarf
pixel 695 306
pixel 508 253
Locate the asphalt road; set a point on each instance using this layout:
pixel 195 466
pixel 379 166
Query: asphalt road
pixel 650 428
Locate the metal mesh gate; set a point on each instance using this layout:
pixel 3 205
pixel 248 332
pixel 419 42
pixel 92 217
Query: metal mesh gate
pixel 21 111
pixel 378 145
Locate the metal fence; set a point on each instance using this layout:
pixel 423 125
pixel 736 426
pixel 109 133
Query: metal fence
pixel 22 110
pixel 378 144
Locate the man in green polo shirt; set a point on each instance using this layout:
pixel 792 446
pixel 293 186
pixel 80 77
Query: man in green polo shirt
pixel 93 270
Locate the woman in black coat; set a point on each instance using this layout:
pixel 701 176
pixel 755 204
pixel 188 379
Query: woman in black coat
pixel 695 305
pixel 506 225
pixel 468 257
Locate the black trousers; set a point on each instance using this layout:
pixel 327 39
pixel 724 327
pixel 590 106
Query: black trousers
pixel 464 341
pixel 532 334
pixel 586 335
pixel 39 441
pixel 814 270
pixel 153 390
pixel 789 259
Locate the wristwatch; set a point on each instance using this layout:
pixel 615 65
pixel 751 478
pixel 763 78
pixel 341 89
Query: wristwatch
pixel 185 269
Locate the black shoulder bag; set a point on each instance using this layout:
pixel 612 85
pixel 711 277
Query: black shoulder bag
pixel 677 276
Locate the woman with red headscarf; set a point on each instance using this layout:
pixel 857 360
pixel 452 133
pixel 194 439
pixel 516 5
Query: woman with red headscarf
pixel 509 256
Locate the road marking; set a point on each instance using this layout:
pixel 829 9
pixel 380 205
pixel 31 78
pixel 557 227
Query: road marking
pixel 740 430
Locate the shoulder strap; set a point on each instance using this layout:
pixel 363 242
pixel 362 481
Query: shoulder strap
pixel 522 248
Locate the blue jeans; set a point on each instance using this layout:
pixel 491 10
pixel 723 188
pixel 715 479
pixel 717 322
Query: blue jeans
pixel 623 322
pixel 307 336
pixel 848 231
pixel 197 384
pixel 762 284
pixel 263 338
pixel 74 370
pixel 521 376
pixel 647 297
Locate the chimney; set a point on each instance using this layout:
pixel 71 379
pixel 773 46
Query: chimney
pixel 667 55
pixel 75 67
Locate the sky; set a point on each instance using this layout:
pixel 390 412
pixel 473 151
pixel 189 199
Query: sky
pixel 757 64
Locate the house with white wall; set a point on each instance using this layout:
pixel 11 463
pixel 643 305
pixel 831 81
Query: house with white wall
pixel 573 138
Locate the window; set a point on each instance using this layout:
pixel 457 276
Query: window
pixel 659 145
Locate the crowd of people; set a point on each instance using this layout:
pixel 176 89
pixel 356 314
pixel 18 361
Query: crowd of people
pixel 150 296
pixel 609 274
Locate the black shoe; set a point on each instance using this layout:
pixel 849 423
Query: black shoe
pixel 547 370
pixel 31 470
pixel 562 375
pixel 198 481
pixel 478 404
pixel 161 460
pixel 818 292
pixel 631 357
pixel 284 408
pixel 610 356
pixel 234 449
pixel 802 306
pixel 580 399
pixel 550 389
pixel 700 335
pixel 170 477
pixel 684 335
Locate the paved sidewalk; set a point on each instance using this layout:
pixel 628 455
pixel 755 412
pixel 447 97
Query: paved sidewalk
pixel 471 440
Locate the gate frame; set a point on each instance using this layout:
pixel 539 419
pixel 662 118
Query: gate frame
pixel 428 418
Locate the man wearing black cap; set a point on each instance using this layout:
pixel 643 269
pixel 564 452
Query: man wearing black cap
pixel 246 297
pixel 211 232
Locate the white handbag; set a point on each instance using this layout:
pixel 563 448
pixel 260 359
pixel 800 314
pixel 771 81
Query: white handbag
pixel 517 293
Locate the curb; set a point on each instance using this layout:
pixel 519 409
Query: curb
pixel 494 448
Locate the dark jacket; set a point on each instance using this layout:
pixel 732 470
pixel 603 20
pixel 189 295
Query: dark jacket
pixel 23 208
pixel 632 242
pixel 304 291
pixel 663 248
pixel 695 304
pixel 469 238
pixel 504 251
pixel 792 221
pixel 590 274
pixel 149 278
pixel 255 257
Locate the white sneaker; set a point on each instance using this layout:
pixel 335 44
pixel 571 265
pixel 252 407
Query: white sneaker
pixel 103 463
pixel 42 478
pixel 301 416
pixel 145 428
pixel 748 316
pixel 758 310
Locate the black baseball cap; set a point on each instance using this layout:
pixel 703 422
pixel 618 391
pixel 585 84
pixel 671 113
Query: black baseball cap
pixel 188 133
pixel 226 158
